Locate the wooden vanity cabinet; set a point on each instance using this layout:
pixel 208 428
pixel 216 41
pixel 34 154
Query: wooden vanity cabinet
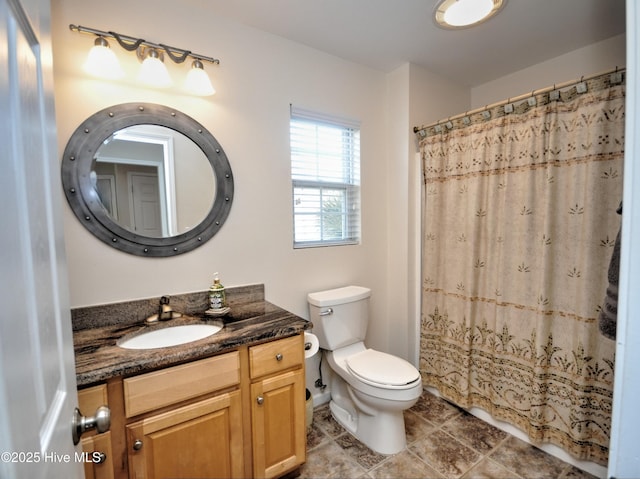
pixel 202 439
pixel 278 406
pixel 98 463
pixel 236 415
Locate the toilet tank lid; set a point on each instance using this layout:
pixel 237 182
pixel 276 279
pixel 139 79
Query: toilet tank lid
pixel 333 297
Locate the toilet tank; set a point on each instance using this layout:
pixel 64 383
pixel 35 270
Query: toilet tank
pixel 339 316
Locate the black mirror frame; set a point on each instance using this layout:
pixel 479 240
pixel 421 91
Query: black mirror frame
pixel 77 163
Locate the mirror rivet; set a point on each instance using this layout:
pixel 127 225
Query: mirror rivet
pixel 87 218
pixel 111 114
pixel 175 249
pixel 227 175
pixel 217 222
pixel 141 108
pixel 72 158
pixel 115 240
pixel 217 150
pixel 86 130
pixel 199 130
pixel 146 250
pixel 226 198
pixel 173 113
pixel 199 238
pixel 72 190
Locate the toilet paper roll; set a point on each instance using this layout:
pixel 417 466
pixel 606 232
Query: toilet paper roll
pixel 311 345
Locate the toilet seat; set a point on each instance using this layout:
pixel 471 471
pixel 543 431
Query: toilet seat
pixel 382 370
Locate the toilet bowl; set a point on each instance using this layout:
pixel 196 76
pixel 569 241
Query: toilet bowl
pixel 366 404
pixel 369 389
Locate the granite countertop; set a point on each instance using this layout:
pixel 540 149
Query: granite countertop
pixel 99 358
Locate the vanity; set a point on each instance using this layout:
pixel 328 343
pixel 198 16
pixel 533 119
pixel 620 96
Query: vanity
pixel 229 405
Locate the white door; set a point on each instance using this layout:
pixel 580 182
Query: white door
pixel 37 374
pixel 624 450
pixel 146 215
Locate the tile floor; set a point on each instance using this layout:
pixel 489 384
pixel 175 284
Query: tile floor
pixel 443 441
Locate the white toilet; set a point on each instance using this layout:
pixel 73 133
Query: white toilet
pixel 369 389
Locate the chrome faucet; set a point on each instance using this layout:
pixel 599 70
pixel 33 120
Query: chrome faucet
pixel 165 312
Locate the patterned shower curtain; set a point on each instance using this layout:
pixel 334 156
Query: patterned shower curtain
pixel 519 223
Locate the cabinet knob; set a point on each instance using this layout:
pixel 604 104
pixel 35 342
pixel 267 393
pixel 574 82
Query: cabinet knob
pixel 260 400
pixel 99 457
pixel 279 357
pixel 137 445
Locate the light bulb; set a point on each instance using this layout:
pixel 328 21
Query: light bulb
pixel 102 61
pixel 464 13
pixel 198 82
pixel 467 12
pixel 153 72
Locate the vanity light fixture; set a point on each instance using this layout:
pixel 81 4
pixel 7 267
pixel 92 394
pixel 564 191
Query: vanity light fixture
pixel 456 14
pixel 153 71
pixel 102 61
pixel 198 81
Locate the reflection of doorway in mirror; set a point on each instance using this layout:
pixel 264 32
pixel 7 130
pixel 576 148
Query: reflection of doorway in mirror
pixel 137 148
pixel 186 181
pixel 144 204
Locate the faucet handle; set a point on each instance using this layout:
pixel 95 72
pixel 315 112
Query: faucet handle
pixel 165 311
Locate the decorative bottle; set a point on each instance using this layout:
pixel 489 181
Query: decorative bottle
pixel 217 297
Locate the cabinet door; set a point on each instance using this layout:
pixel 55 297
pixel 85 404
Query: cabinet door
pixel 198 441
pixel 278 421
pixel 98 459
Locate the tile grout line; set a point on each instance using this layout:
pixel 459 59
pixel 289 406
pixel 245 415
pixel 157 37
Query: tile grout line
pixel 324 424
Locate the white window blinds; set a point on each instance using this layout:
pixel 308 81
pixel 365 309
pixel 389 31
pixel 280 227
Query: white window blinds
pixel 325 172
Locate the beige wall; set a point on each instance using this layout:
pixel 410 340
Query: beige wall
pixel 414 96
pixel 259 76
pixel 599 57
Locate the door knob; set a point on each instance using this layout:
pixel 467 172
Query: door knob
pixel 279 357
pixel 81 424
pixel 260 400
pixel 137 445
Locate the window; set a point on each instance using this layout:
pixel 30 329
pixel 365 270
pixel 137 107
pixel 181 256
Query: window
pixel 325 171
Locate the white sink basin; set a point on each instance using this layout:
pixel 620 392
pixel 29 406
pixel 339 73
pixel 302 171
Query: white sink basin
pixel 171 336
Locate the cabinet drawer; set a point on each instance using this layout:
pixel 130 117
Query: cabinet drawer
pixel 92 398
pixel 276 356
pixel 169 386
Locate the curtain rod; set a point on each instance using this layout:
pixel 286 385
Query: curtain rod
pixel 524 96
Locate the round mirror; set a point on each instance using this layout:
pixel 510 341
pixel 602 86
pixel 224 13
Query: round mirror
pixel 147 179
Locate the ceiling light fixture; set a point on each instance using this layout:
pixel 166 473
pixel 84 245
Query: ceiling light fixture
pixel 153 71
pixel 456 14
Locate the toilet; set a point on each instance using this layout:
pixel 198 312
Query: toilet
pixel 369 389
